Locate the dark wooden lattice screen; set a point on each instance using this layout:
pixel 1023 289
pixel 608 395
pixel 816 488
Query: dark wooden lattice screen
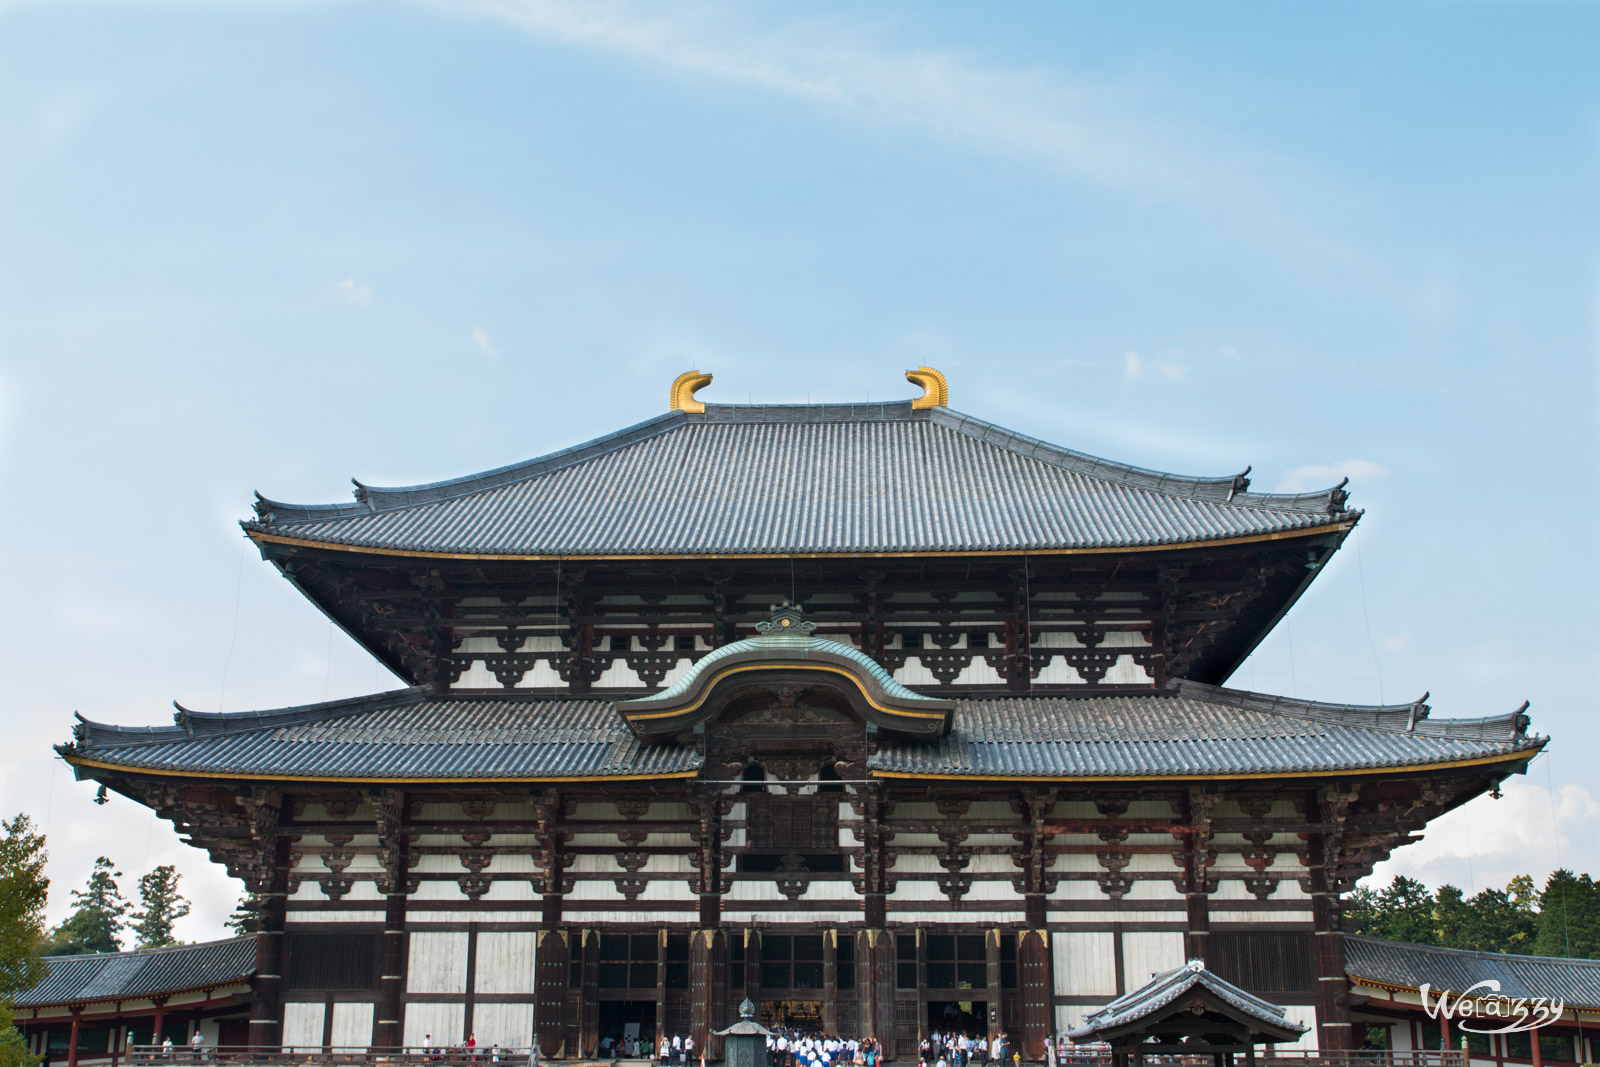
pixel 800 824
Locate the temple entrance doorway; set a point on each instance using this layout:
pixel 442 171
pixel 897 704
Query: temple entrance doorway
pixel 802 1016
pixel 958 1017
pixel 629 1021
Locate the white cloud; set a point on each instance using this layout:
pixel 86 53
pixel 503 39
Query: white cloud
pixel 1105 133
pixel 1135 366
pixel 350 291
pixel 1322 475
pixel 1486 842
pixel 480 337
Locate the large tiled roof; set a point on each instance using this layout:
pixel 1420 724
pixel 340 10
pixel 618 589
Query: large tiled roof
pixel 1195 729
pixel 403 734
pixel 1190 730
pixel 834 478
pixel 1150 1000
pixel 1396 963
pixel 100 976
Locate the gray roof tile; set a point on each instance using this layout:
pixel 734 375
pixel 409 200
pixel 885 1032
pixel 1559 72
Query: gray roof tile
pixel 124 975
pixel 803 479
pixel 1190 730
pixel 1396 963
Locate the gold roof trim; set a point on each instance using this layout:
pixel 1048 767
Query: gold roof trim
pixel 935 390
pixel 684 386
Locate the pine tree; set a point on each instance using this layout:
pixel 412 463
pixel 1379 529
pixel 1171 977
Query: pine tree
pixel 243 920
pixel 1405 912
pixel 23 887
pixel 1569 917
pixel 96 922
pixel 162 905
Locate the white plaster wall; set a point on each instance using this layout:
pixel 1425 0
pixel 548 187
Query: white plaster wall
pixel 352 1026
pixel 1147 952
pixel 1085 962
pixel 1059 672
pixel 443 1021
pixel 302 1025
pixel 508 1025
pixel 1305 1015
pixel 505 962
pixel 437 963
pixel 314 914
pixel 978 672
pixel 1126 672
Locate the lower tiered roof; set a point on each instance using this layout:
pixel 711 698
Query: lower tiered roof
pixel 1186 731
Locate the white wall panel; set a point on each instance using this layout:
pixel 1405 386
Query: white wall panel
pixel 302 1025
pixel 1085 962
pixel 441 1021
pixel 508 1025
pixel 505 962
pixel 1305 1015
pixel 352 1026
pixel 438 963
pixel 1146 953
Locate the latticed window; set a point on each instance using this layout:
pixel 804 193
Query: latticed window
pixel 957 961
pixel 628 961
pixel 791 962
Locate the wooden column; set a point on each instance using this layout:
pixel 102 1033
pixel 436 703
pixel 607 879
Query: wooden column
pixel 1533 1042
pixel 589 1003
pixel 72 1037
pixel 991 946
pixel 752 969
pixel 708 989
pixel 1033 976
pixel 830 981
pixel 160 1020
pixel 266 1009
pixel 1197 872
pixel 1334 1033
pixel 388 1021
pixel 550 985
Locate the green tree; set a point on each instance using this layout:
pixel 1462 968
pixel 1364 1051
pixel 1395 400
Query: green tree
pixel 243 920
pixel 162 906
pixel 1569 917
pixel 23 890
pixel 1405 912
pixel 96 922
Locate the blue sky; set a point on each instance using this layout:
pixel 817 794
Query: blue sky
pixel 274 245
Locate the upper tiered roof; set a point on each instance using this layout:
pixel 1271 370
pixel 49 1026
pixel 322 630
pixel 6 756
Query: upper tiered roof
pixel 819 479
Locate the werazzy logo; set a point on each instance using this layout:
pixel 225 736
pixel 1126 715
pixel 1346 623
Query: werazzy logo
pixel 1480 1012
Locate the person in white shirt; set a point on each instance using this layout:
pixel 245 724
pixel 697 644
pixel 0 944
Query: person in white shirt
pixel 688 1050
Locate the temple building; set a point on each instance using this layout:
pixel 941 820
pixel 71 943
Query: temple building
pixel 885 717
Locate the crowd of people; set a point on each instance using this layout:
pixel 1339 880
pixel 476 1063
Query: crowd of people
pixel 790 1048
pixel 968 1050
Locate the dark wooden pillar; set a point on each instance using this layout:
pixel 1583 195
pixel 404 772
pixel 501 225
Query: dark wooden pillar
pixel 830 981
pixel 991 946
pixel 388 1021
pixel 72 1037
pixel 1033 976
pixel 1334 1032
pixel 752 969
pixel 708 989
pixel 266 1009
pixel 589 1005
pixel 875 985
pixel 550 985
pixel 161 1020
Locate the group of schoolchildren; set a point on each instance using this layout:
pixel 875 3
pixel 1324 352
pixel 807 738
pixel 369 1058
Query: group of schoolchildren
pixel 790 1048
pixel 965 1050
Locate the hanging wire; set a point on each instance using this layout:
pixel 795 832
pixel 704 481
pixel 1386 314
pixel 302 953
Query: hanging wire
pixel 1361 573
pixel 1294 684
pixel 238 588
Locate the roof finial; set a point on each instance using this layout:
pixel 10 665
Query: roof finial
pixel 935 390
pixel 684 386
pixel 786 616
